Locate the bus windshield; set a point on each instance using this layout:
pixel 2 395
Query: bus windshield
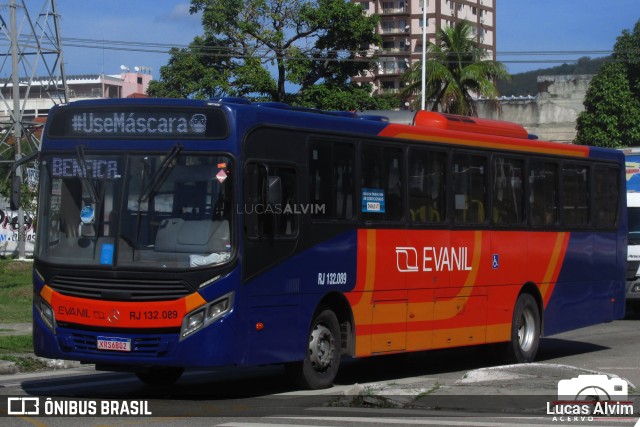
pixel 168 210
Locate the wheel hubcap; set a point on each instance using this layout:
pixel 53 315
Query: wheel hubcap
pixel 321 348
pixel 526 330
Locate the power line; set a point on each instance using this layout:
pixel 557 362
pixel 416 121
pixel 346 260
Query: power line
pixel 226 51
pixel 339 55
pixel 166 47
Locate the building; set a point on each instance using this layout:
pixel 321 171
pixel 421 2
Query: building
pixel 39 101
pixel 552 113
pixel 401 32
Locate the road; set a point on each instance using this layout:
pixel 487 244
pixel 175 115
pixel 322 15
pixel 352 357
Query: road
pixel 260 396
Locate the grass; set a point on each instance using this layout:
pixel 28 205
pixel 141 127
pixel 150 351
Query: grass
pixel 16 344
pixel 16 291
pixel 16 296
pixel 18 349
pixel 25 364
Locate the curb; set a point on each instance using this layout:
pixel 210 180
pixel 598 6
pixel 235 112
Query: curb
pixel 523 388
pixel 8 367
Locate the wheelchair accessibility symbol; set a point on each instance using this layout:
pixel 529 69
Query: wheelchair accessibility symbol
pixel 495 262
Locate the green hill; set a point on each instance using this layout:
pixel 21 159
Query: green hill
pixel 527 84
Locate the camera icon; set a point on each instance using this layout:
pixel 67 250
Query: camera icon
pixel 592 388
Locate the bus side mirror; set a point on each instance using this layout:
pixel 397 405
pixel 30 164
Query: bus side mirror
pixel 14 200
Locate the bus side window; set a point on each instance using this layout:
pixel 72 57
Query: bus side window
pixel 427 189
pixel 507 194
pixel 382 188
pixel 262 218
pixel 469 189
pixel 606 196
pixel 252 224
pixel 575 189
pixel 331 180
pixel 543 198
pixel 286 219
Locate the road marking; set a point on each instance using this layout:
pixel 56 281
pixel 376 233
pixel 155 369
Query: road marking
pixel 265 425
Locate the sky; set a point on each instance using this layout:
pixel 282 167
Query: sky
pixel 525 28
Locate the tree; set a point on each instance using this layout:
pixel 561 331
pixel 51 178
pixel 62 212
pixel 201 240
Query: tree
pixel 455 72
pixel 195 72
pixel 611 117
pixel 260 48
pixel 612 111
pixel 350 97
pixel 627 51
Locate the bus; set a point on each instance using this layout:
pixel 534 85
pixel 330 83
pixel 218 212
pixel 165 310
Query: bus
pixel 186 234
pixel 632 158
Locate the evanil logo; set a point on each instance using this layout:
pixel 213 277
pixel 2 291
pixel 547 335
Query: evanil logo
pixel 432 258
pixel 587 396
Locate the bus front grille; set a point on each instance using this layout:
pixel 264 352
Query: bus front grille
pixel 120 289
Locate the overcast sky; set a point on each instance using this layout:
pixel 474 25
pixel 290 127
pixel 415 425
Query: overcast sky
pixel 569 28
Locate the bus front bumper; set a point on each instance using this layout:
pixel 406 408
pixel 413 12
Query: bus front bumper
pixel 211 346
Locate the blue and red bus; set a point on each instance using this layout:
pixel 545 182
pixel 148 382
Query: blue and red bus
pixel 176 234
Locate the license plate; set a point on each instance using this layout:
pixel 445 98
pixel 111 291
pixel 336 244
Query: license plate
pixel 114 344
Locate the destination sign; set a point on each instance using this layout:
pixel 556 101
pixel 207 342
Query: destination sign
pixel 158 123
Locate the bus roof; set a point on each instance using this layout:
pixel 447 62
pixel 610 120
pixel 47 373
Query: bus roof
pixel 432 119
pixel 424 126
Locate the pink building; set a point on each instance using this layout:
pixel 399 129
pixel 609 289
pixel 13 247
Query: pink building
pixel 136 83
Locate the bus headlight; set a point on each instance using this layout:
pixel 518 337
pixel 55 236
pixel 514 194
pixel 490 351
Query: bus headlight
pixel 46 314
pixel 206 315
pixel 195 321
pixel 218 308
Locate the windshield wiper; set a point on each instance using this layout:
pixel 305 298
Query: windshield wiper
pixel 161 174
pixel 91 188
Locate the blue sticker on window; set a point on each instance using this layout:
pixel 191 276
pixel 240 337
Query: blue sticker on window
pixel 373 200
pixel 106 254
pixel 87 214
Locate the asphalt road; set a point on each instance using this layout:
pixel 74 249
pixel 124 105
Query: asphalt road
pixel 377 391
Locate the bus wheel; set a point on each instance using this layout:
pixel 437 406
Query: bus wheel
pixel 160 376
pixel 320 366
pixel 525 330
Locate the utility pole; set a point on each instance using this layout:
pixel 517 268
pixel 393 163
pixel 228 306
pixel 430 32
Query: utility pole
pixel 35 51
pixel 17 118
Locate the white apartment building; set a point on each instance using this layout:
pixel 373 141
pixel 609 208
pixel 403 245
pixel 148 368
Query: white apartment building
pixel 401 32
pixel 36 101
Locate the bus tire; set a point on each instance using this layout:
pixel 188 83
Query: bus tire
pixel 525 330
pixel 321 363
pixel 160 376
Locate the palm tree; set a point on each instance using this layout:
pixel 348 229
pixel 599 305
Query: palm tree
pixel 455 72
